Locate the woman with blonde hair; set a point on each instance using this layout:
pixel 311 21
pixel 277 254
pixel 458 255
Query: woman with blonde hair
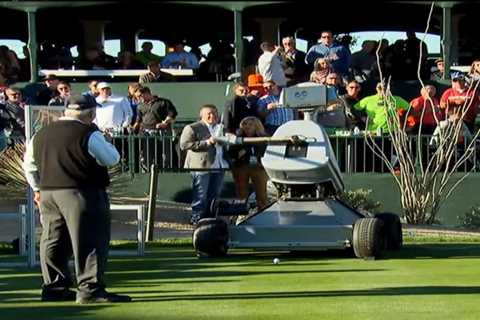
pixel 321 69
pixel 246 163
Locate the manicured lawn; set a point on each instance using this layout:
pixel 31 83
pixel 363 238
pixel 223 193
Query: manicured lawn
pixel 422 281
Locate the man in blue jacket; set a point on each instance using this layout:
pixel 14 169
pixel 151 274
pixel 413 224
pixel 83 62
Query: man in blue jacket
pixel 337 54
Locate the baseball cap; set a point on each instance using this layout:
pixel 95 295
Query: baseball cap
pixel 457 75
pixel 80 102
pixel 102 85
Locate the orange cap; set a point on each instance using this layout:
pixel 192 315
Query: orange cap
pixel 255 80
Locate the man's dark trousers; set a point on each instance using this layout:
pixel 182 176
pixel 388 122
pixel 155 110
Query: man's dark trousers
pixel 78 221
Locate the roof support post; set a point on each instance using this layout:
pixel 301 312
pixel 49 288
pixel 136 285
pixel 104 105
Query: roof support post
pixel 32 44
pixel 447 36
pixel 237 16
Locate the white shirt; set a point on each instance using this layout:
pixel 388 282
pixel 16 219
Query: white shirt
pixel 115 112
pixel 220 162
pixel 270 67
pixel 104 152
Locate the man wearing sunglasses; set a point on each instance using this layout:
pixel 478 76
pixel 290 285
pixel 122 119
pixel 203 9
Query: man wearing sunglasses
pixel 337 54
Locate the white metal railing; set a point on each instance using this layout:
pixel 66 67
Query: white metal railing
pixel 140 210
pixel 110 73
pixel 27 238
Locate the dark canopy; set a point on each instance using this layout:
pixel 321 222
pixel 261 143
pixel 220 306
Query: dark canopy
pixel 202 22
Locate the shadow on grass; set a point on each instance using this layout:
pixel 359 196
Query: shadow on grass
pixel 394 291
pixel 201 275
pixel 51 311
pixel 436 251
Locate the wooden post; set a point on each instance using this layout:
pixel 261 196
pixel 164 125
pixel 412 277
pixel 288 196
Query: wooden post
pixel 152 200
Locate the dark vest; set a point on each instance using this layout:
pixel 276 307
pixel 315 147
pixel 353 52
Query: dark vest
pixel 61 153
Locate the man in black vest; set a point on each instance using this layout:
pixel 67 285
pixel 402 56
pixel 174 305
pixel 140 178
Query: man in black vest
pixel 66 166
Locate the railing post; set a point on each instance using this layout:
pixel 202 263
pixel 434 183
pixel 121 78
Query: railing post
pixel 152 200
pixel 131 154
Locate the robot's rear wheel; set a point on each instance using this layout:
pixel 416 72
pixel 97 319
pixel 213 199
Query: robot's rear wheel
pixel 393 230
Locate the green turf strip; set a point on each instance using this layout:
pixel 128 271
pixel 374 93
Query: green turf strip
pixel 422 281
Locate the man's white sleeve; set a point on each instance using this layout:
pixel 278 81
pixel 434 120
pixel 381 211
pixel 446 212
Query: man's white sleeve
pixel 104 152
pixel 30 168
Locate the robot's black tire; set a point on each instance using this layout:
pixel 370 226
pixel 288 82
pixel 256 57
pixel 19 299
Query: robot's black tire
pixel 393 230
pixel 210 238
pixel 368 238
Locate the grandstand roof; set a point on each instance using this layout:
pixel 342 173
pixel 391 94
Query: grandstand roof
pixel 211 18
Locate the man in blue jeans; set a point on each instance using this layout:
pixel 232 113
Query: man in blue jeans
pixel 206 157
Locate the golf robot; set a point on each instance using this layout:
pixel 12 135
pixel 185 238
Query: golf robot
pixel 307 214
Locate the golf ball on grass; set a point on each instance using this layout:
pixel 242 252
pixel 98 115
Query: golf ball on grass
pixel 276 261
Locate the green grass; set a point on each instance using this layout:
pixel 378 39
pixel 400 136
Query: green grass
pixel 422 281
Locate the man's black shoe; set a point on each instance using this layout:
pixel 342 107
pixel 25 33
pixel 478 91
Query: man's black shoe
pixel 58 295
pixel 102 297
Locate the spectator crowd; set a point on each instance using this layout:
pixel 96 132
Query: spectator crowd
pixel 254 109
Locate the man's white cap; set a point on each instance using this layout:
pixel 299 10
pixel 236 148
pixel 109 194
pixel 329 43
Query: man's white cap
pixel 102 85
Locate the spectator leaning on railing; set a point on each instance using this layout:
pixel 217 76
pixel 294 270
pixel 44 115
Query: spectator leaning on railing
pixel 377 106
pixel 155 116
pixel 154 113
pixel 461 96
pixel 133 100
pixel 426 110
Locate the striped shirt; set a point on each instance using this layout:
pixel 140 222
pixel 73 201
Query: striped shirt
pixel 276 116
